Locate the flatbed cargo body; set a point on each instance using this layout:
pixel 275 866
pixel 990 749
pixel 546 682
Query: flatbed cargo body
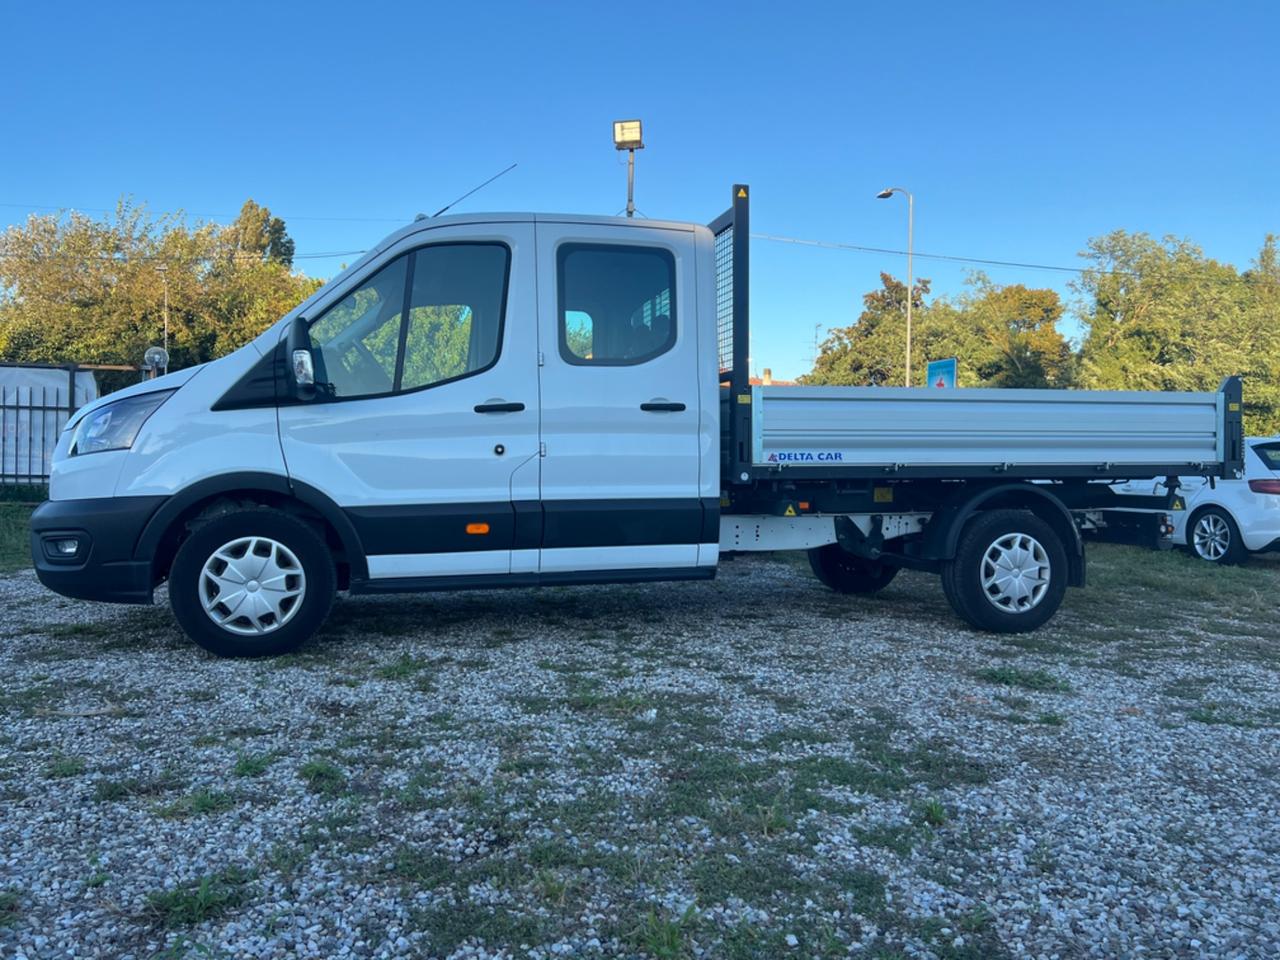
pixel 967 433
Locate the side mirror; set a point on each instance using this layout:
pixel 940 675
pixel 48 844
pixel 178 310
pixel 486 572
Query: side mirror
pixel 301 364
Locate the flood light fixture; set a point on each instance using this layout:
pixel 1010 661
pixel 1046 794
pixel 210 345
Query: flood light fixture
pixel 626 135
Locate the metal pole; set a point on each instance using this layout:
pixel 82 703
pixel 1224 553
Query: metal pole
pixel 911 203
pixel 631 182
pixel 164 272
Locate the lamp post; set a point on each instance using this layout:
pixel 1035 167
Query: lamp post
pixel 164 276
pixel 885 194
pixel 626 136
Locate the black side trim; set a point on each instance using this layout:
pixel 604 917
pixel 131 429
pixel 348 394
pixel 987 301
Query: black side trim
pixel 498 581
pixel 710 520
pixel 433 528
pixel 528 525
pixel 622 523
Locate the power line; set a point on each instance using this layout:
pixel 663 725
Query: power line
pixel 837 245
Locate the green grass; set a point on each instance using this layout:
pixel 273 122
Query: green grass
pixel 201 900
pixel 60 767
pixel 1025 679
pixel 15 543
pixel 198 804
pixel 252 764
pixel 323 777
pixel 8 908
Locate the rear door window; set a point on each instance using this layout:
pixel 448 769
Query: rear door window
pixel 616 305
pixel 1269 454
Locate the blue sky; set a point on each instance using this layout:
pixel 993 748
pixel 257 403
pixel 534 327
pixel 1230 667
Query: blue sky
pixel 1023 129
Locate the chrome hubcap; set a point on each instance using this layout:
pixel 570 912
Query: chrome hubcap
pixel 1015 573
pixel 1212 537
pixel 252 585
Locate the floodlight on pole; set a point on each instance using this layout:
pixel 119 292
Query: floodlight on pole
pixel 885 194
pixel 627 136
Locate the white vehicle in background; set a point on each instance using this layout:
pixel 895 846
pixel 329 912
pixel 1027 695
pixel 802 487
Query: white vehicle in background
pixel 1226 520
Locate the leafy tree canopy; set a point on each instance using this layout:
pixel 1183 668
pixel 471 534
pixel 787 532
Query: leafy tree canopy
pixel 74 288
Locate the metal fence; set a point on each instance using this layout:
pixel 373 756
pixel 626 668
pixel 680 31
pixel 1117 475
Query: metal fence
pixel 30 420
pixel 32 417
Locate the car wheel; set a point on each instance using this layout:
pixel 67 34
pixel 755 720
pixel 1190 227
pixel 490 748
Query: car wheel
pixel 1213 536
pixel 840 570
pixel 1009 574
pixel 252 583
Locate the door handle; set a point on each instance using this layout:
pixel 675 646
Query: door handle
pixel 500 406
pixel 662 405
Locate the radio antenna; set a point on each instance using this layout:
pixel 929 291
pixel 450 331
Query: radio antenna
pixel 474 189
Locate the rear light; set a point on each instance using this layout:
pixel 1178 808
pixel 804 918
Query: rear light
pixel 1265 486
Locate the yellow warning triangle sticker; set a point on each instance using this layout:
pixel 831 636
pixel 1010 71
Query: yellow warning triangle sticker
pixel 790 512
pixel 742 193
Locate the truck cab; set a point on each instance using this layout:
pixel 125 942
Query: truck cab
pixel 494 400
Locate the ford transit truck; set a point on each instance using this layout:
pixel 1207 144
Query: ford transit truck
pixel 518 400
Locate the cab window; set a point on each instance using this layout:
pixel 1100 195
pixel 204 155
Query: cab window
pixel 616 303
pixel 368 344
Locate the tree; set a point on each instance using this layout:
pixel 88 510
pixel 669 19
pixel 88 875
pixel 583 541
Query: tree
pixel 77 289
pixel 871 352
pixel 1004 336
pixel 1162 316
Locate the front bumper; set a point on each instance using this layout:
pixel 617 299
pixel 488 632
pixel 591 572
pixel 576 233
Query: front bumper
pixel 104 565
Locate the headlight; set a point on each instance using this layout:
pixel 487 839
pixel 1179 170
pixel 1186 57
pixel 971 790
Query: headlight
pixel 116 425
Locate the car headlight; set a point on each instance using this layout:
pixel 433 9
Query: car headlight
pixel 115 426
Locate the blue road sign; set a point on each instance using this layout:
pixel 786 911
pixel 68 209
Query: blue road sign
pixel 941 373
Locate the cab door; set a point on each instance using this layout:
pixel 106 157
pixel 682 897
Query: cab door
pixel 425 431
pixel 620 402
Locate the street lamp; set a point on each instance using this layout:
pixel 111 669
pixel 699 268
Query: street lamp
pixel 164 275
pixel 626 136
pixel 885 194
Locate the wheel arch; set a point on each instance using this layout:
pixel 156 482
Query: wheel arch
pixel 947 523
pixel 160 538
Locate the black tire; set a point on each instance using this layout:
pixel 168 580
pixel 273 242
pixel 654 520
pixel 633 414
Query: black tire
pixel 1209 547
pixel 962 577
pixel 297 621
pixel 840 570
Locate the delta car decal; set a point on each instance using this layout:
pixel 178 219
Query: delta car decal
pixel 807 456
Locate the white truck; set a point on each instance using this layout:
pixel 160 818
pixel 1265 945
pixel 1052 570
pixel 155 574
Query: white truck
pixel 525 400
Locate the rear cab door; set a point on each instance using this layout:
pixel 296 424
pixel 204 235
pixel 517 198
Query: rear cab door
pixel 629 479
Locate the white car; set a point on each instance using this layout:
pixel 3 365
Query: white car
pixel 1227 520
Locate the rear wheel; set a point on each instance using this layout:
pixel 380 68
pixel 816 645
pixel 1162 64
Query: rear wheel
pixel 1009 573
pixel 251 583
pixel 1213 536
pixel 840 570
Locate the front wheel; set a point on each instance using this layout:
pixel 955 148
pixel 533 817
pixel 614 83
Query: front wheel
pixel 1214 536
pixel 843 572
pixel 251 583
pixel 1009 574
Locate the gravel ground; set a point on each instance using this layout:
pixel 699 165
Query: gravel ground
pixel 752 767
